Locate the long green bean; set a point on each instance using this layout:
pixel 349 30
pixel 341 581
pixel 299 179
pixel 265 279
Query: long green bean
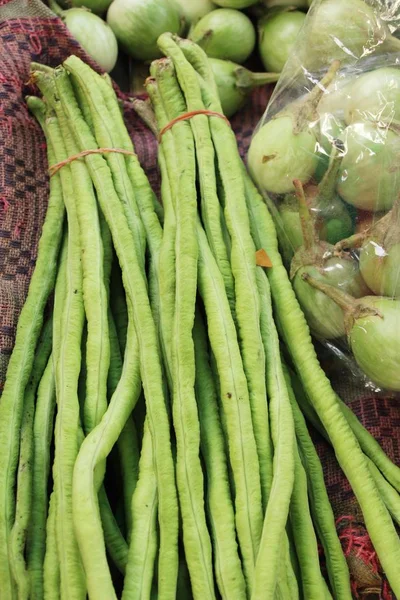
pixel 236 406
pixel 186 422
pixel 116 545
pixel 283 437
pixel 20 367
pixel 228 567
pixel 205 154
pixel 23 503
pixel 143 546
pixel 51 566
pixel 304 536
pixel 243 264
pixel 42 434
pixel 136 289
pixel 322 512
pixel 318 388
pixel 91 99
pixel 388 492
pixel 372 448
pixel 67 368
pixel 25 467
pixel 234 392
pixel 127 443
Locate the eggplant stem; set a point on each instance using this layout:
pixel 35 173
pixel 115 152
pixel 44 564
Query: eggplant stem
pixel 342 299
pixel 247 79
pixel 354 241
pixel 56 8
pixel 311 103
pixel 307 225
pixel 327 186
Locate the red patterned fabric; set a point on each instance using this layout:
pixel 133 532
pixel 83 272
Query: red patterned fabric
pixel 29 32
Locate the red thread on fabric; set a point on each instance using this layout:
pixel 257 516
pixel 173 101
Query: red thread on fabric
pixel 360 545
pixel 386 593
pixel 10 81
pixel 5 203
pixel 189 115
pixel 55 168
pixel 43 146
pixel 35 43
pixel 17 229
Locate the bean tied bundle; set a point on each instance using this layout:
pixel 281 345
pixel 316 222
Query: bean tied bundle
pixel 154 443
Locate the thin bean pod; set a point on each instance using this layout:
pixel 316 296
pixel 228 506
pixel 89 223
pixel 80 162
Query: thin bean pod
pixel 67 368
pixel 20 367
pixel 185 416
pixel 243 264
pixel 138 303
pixel 236 406
pixel 25 467
pixel 92 99
pixel 324 400
pixel 322 513
pixel 116 545
pixel 146 200
pixel 95 288
pixel 94 449
pixel 389 493
pixel 51 566
pixel 234 392
pixel 283 437
pixel 228 567
pixel 23 501
pixel 372 448
pixel 205 154
pixel 166 258
pixel 143 546
pixel 127 443
pixel 304 536
pixel 390 496
pixel 42 437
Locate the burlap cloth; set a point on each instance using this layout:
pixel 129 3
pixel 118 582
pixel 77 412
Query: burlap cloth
pixel 30 32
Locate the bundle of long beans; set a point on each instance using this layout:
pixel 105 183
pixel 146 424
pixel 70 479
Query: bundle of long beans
pixel 154 443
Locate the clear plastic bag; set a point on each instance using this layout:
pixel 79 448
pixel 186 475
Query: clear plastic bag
pixel 326 156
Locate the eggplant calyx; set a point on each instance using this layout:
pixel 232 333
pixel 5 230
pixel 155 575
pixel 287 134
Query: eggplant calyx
pixel 315 256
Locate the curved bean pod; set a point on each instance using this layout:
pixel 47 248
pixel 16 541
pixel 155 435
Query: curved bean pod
pixel 51 567
pixel 283 437
pixel 322 513
pixel 243 267
pixel 25 468
pixel 143 546
pixel 66 368
pixel 20 367
pixel 136 289
pixel 324 400
pixel 42 436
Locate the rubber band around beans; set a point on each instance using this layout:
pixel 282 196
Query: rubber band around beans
pixel 55 168
pixel 189 115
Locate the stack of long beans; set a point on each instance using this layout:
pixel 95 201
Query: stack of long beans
pixel 154 443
